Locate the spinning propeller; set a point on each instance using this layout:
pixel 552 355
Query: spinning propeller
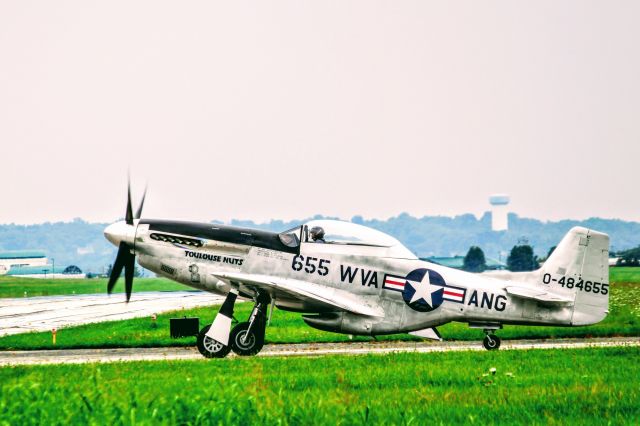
pixel 124 232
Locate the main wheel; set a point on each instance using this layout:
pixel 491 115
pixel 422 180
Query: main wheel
pixel 210 348
pixel 243 344
pixel 491 342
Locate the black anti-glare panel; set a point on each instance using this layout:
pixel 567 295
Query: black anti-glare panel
pixel 227 234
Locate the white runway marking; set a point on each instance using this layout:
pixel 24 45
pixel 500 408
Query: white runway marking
pixel 81 356
pixel 44 313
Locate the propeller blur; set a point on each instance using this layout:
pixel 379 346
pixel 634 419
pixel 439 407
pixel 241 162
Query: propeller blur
pixel 122 234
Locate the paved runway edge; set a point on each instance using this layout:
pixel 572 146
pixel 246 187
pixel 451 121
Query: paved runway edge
pixel 81 356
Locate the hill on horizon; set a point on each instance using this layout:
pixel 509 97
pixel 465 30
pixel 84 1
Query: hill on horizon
pixel 83 244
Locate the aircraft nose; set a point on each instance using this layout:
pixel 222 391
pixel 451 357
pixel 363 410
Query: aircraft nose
pixel 119 232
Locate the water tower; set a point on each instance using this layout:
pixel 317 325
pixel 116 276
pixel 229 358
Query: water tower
pixel 499 213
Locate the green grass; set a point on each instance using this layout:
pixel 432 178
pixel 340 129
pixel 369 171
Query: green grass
pixel 288 327
pixel 17 287
pixel 624 274
pixel 581 386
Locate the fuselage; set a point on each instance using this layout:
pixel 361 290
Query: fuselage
pixel 191 253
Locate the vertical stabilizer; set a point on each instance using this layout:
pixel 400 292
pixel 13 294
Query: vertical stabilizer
pixel 579 267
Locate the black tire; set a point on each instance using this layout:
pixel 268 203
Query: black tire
pixel 253 343
pixel 491 342
pixel 208 347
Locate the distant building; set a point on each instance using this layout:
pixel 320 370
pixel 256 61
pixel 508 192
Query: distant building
pixel 21 258
pixel 45 271
pixel 499 213
pixel 457 262
pixel 33 264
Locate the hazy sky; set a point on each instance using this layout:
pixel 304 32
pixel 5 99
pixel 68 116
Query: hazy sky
pixel 264 110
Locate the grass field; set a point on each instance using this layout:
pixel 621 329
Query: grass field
pixel 583 386
pixel 624 275
pixel 287 327
pixel 17 287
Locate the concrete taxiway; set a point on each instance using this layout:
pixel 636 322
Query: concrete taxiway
pixel 80 356
pixel 45 313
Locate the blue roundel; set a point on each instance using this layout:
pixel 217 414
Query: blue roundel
pixel 423 290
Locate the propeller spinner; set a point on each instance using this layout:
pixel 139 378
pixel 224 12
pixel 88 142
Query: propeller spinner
pixel 122 234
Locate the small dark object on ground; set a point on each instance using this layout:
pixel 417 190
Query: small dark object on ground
pixel 184 327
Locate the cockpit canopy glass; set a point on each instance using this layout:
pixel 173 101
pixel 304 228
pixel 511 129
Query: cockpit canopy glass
pixel 291 238
pixel 347 233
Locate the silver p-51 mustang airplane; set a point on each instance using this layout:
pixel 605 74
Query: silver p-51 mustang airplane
pixel 355 280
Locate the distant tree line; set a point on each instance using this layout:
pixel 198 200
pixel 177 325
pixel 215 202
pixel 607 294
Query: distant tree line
pixel 83 244
pixel 137 270
pixel 629 257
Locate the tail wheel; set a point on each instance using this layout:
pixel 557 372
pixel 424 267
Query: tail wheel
pixel 491 342
pixel 247 344
pixel 210 348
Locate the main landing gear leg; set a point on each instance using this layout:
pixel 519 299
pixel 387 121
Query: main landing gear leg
pixel 213 340
pixel 247 338
pixel 491 341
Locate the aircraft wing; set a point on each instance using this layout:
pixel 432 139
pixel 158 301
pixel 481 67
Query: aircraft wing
pixel 427 333
pixel 537 294
pixel 306 291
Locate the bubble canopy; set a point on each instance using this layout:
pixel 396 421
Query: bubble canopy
pixel 347 233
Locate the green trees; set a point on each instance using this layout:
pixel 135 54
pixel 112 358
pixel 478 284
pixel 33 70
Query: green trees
pixel 474 261
pixel 629 257
pixel 522 258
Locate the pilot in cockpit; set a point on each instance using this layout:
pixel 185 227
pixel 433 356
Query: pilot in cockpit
pixel 317 234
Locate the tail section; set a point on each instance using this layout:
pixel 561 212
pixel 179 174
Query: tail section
pixel 579 267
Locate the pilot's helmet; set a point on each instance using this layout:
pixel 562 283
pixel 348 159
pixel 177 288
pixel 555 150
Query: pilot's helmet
pixel 317 233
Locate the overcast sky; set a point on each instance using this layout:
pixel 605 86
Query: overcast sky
pixel 263 110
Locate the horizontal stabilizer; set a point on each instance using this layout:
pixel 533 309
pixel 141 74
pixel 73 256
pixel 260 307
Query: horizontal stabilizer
pixel 427 333
pixel 305 290
pixel 538 294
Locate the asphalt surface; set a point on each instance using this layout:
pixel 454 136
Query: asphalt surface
pixel 81 356
pixel 27 314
